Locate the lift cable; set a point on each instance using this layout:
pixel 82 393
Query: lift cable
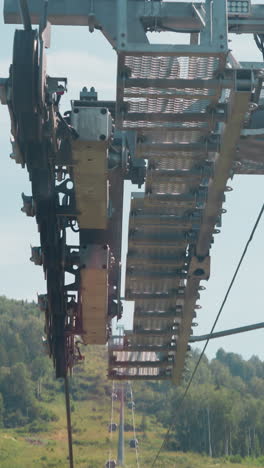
pixel 181 399
pixel 134 425
pixel 259 40
pixel 69 426
pixel 111 423
pixel 121 445
pixel 25 15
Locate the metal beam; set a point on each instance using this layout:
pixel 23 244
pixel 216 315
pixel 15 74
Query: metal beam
pixel 203 128
pixel 138 377
pixel 176 16
pixel 180 83
pixel 66 12
pixel 157 315
pixel 232 331
pixel 248 25
pixel 155 333
pixel 163 148
pixel 180 16
pixel 174 117
pixel 142 348
pixel 173 94
pixel 183 50
pixel 190 298
pixel 141 364
pixel 239 103
pixel 130 295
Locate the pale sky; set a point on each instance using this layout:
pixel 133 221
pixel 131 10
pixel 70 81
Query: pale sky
pixel 88 60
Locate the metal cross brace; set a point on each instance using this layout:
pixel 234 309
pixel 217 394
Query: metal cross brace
pixel 111 16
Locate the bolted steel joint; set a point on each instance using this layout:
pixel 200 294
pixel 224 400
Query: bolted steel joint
pixel 28 205
pixel 43 302
pixel 36 256
pixel 199 269
pixel 3 90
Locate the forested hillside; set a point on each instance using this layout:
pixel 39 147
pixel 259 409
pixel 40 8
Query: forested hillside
pixel 22 362
pixel 222 415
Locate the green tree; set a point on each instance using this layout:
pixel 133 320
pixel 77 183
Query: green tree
pixel 17 391
pixel 1 410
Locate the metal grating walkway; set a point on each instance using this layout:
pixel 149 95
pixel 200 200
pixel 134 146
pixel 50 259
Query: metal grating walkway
pixel 179 109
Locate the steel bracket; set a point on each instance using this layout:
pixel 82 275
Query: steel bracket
pixel 199 268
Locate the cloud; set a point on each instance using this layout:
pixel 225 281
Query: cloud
pixel 4 121
pixel 83 69
pixel 17 247
pixel 80 68
pixel 4 67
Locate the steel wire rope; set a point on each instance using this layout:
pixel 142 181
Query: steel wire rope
pixel 111 424
pixel 134 425
pixel 181 399
pixel 69 426
pixel 92 6
pixel 259 40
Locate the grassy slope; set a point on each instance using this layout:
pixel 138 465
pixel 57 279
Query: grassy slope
pixel 90 419
pixel 91 442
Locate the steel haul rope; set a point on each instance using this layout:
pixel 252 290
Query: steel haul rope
pixel 111 423
pixel 134 426
pixel 69 427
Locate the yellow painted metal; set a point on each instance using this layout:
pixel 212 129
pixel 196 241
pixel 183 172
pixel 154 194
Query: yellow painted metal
pixel 94 305
pixel 91 186
pixel 94 293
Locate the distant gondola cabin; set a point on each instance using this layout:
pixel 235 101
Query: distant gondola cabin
pixel 112 427
pixel 110 464
pixel 131 405
pixel 133 443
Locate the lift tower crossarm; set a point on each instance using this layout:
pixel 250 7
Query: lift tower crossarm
pixel 181 15
pixel 177 16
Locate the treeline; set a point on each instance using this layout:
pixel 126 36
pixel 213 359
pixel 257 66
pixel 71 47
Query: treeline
pixel 27 377
pixel 22 364
pixel 223 412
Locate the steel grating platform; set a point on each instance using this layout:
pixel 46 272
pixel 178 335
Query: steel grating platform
pixel 188 123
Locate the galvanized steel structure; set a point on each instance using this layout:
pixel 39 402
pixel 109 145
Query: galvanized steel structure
pixel 195 114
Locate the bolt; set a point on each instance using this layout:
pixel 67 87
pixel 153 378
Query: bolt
pixel 199 272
